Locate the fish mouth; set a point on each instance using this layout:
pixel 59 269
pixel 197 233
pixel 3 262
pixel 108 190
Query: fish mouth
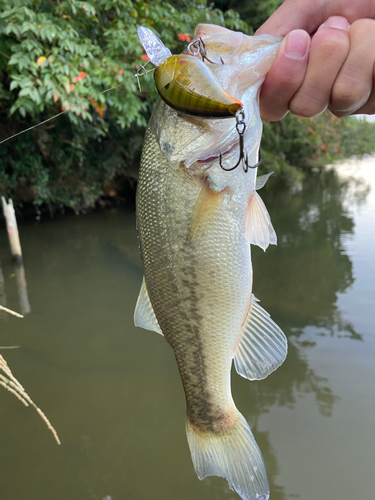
pixel 216 156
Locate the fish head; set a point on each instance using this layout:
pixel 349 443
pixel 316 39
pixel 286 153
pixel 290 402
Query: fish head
pixel 239 63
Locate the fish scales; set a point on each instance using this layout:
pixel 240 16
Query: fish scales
pixel 195 222
pixel 180 280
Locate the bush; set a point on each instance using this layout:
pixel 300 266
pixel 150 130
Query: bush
pixel 314 142
pixel 58 57
pixel 65 56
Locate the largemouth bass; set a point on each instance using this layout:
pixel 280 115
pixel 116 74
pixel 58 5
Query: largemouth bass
pixel 195 224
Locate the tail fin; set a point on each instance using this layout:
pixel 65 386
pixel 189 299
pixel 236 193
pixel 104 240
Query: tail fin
pixel 232 453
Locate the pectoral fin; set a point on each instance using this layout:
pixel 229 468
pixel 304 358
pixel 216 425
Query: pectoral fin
pixel 259 229
pixel 144 315
pixel 261 181
pixel 263 346
pixel 206 207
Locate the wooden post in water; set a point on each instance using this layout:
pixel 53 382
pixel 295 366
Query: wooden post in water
pixel 2 288
pixel 15 248
pixel 12 228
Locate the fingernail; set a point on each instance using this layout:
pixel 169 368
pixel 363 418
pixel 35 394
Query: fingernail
pixel 337 22
pixel 297 44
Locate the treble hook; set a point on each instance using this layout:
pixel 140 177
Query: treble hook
pixel 244 159
pixel 198 47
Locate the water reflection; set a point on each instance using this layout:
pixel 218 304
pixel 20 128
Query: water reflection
pixel 302 277
pixel 299 281
pixel 113 392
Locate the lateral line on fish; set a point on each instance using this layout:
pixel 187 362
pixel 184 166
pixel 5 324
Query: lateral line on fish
pixel 82 100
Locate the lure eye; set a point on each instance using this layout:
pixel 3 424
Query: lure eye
pixel 165 73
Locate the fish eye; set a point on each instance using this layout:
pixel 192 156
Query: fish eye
pixel 167 86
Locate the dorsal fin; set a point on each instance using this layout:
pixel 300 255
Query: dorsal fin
pixel 263 346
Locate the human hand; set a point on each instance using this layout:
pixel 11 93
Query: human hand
pixel 335 69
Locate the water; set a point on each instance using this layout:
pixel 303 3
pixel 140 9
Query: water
pixel 113 392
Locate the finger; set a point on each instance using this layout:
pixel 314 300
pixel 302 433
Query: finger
pixel 285 76
pixel 369 107
pixel 329 49
pixel 309 15
pixel 354 85
pixel 293 14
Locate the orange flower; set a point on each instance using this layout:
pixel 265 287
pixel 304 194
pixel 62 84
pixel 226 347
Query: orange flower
pixel 41 60
pixel 185 37
pixel 145 58
pixel 75 79
pixel 121 72
pixel 82 75
pixel 71 87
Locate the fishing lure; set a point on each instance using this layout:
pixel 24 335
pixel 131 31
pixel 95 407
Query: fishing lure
pixel 187 85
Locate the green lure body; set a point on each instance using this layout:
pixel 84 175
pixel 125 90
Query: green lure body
pixel 187 85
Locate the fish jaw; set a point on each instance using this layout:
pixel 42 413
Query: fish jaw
pixel 189 139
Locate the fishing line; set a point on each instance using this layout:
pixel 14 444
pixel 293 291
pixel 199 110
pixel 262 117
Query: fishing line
pixel 140 72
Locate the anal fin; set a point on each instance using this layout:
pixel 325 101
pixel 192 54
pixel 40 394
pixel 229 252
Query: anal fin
pixel 144 315
pixel 263 346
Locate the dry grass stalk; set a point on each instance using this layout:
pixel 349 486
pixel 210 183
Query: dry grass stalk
pixel 9 311
pixel 5 383
pixel 11 384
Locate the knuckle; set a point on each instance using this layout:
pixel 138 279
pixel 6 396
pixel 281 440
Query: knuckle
pixel 272 110
pixel 368 108
pixel 361 25
pixel 331 43
pixel 333 46
pixel 339 114
pixel 307 103
pixel 348 96
pixel 301 108
pixel 291 80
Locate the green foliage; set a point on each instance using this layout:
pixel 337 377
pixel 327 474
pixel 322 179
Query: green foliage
pixel 310 142
pixel 61 56
pixel 254 12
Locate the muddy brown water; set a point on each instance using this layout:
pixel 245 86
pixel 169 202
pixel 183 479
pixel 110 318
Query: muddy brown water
pixel 113 391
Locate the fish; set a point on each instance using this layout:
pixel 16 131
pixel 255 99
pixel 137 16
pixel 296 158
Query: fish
pixel 196 223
